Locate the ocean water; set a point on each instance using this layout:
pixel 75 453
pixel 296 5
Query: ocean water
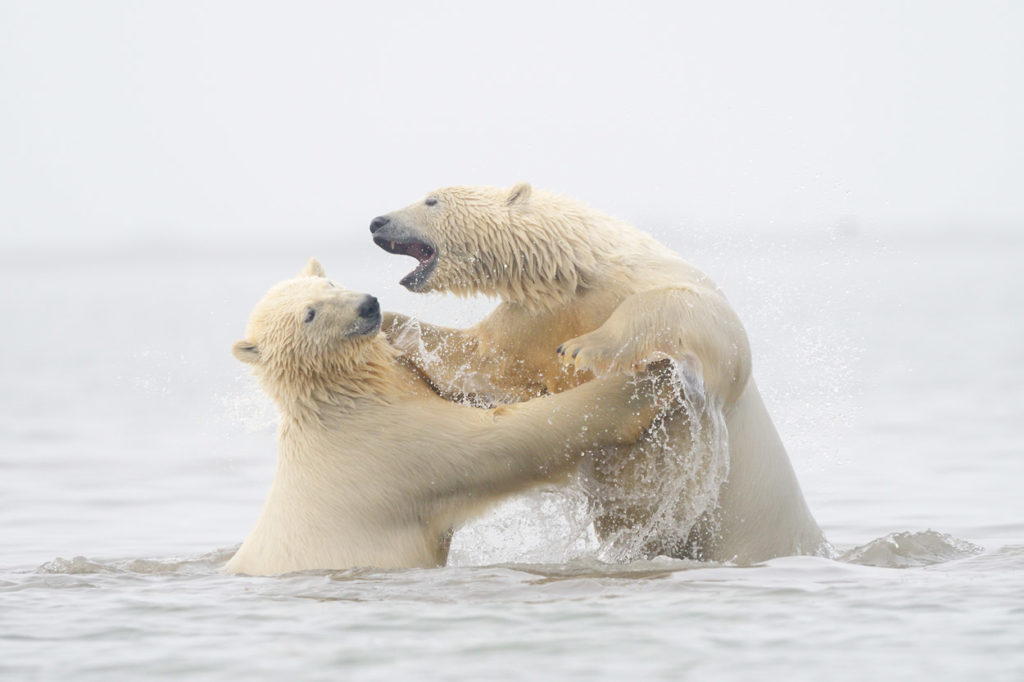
pixel 135 453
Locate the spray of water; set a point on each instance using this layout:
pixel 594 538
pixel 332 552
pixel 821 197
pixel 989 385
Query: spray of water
pixel 654 498
pixel 463 383
pixel 248 406
pixel 658 497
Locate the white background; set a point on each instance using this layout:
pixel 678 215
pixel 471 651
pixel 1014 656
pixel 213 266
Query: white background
pixel 239 122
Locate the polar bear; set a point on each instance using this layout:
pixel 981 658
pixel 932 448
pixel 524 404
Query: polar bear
pixel 583 295
pixel 374 468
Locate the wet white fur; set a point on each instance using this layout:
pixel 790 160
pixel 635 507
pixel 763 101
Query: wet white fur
pixel 612 299
pixel 374 469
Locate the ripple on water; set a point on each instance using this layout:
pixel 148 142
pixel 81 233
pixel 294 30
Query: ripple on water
pixel 81 565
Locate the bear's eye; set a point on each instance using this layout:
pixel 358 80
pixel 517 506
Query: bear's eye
pixel 310 314
pixel 431 201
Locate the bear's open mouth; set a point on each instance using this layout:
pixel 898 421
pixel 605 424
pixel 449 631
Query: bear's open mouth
pixel 420 250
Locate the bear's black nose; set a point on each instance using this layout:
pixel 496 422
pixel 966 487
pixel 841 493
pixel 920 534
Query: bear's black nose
pixel 379 222
pixel 369 308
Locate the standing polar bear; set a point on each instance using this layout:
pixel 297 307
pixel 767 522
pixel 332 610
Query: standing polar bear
pixel 583 294
pixel 374 469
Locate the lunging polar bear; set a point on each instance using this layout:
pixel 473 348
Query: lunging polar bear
pixel 374 469
pixel 583 294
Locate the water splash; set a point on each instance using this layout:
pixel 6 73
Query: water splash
pixel 81 565
pixel 548 526
pixel 641 501
pixel 658 497
pixel 908 549
pixel 460 383
pixel 249 406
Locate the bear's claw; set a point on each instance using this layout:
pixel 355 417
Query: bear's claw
pixel 592 352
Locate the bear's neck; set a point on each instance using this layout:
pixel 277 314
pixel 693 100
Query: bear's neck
pixel 337 384
pixel 547 257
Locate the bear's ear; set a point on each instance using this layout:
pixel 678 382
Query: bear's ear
pixel 519 194
pixel 246 351
pixel 313 269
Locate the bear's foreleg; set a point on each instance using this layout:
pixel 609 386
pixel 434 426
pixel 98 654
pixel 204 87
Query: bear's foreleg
pixel 690 324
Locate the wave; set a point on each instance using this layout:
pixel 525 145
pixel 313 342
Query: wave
pixel 899 550
pixel 81 565
pixel 909 549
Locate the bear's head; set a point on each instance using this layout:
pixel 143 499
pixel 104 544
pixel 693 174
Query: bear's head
pixel 308 332
pixel 519 244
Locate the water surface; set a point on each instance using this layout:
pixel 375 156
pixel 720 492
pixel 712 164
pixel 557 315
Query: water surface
pixel 135 453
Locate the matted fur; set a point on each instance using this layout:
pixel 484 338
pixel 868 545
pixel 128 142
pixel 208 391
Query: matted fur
pixel 537 257
pixel 584 294
pixel 374 469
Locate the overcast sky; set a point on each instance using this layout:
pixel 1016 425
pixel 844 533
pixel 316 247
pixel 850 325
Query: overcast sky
pixel 200 122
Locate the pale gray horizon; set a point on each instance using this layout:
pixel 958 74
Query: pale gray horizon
pixel 228 122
